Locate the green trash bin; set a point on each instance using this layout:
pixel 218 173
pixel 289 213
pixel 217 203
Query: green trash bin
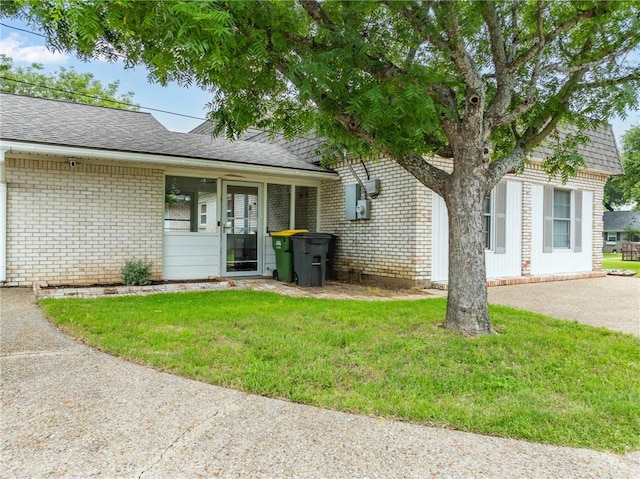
pixel 283 247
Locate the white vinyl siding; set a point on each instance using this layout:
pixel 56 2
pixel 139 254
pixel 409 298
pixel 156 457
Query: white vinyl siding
pixel 547 259
pixel 505 259
pixel 189 255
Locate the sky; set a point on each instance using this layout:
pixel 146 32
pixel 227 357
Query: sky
pixel 26 48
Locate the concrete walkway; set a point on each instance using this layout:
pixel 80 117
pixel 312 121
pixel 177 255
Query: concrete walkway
pixel 611 302
pixel 68 410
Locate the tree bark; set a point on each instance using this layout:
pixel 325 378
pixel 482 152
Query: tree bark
pixel 467 309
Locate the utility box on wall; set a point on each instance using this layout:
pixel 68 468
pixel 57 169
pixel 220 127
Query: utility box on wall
pixel 363 209
pixel 356 208
pixel 352 195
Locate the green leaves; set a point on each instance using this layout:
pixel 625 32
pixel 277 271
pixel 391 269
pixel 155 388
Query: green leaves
pixel 620 190
pixel 64 84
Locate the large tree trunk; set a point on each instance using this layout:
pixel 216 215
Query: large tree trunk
pixel 467 309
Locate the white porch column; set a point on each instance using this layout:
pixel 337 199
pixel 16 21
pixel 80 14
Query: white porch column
pixel 3 218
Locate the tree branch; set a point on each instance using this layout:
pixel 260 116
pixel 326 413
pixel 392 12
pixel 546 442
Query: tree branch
pixel 455 46
pixel 492 123
pixel 557 32
pixel 555 67
pixel 502 98
pixel 432 177
pixel 502 166
pixel 535 134
pixel 316 12
pixel 635 76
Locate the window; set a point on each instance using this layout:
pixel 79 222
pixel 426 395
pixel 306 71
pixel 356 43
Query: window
pixel 486 222
pixel 494 213
pixel 561 219
pixel 190 204
pixel 203 214
pixel 562 227
pixel 612 237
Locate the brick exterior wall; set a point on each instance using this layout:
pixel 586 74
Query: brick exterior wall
pixel 78 225
pixel 396 242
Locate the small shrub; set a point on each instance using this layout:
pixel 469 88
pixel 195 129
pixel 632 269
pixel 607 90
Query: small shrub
pixel 136 272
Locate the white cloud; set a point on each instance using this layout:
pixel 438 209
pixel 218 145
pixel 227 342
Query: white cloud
pixel 14 46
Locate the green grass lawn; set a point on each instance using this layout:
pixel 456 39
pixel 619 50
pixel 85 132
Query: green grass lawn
pixel 614 261
pixel 540 379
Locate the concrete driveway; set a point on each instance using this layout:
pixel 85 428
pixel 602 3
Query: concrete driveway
pixel 68 410
pixel 612 301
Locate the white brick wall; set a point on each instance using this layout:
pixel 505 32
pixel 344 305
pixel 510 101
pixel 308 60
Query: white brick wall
pixel 396 242
pixel 78 225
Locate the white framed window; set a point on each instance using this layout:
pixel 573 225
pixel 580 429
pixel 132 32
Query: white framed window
pixel 203 214
pixel 562 227
pixel 561 219
pixel 189 204
pixel 612 237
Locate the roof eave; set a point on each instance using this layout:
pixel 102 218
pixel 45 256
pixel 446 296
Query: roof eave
pixel 12 146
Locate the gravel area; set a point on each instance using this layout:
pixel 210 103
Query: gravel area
pixel 68 410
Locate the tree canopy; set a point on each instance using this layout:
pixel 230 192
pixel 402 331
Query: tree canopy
pixel 480 82
pixel 625 189
pixel 63 84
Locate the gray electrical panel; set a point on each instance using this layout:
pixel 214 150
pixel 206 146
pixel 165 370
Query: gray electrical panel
pixel 353 193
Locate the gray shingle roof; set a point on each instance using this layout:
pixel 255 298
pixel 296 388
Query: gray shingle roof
pixel 601 153
pixel 305 147
pixel 52 122
pixel 620 220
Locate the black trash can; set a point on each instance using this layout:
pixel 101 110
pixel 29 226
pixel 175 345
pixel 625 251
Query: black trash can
pixel 310 258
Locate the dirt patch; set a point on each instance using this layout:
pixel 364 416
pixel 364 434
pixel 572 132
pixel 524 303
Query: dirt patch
pixel 338 290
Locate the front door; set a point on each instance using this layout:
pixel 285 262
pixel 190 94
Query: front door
pixel 242 223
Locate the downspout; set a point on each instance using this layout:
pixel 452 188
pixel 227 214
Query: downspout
pixel 3 218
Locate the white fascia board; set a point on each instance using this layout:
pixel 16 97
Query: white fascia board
pixel 150 158
pixel 540 161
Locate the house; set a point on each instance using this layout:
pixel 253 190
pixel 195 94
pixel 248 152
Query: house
pixel 614 225
pixel 84 188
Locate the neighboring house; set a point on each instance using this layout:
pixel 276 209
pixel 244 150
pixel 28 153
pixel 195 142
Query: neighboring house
pixel 83 188
pixel 614 225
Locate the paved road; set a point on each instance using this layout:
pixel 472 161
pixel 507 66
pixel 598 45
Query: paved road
pixel 70 411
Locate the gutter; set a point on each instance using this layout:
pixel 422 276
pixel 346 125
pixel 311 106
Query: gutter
pixel 3 218
pixel 21 147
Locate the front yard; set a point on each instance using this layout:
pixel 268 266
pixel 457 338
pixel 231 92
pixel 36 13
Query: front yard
pixel 540 379
pixel 614 261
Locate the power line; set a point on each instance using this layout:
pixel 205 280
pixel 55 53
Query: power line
pixel 22 30
pixel 74 94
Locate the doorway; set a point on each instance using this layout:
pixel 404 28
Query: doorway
pixel 241 227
